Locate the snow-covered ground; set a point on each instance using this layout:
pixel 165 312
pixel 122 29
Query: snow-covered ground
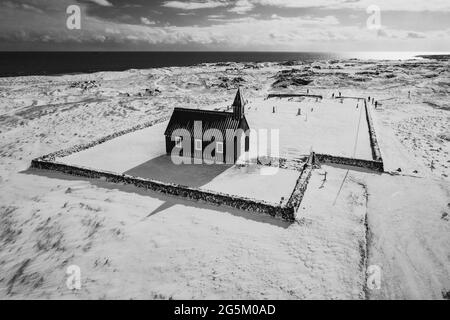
pixel 324 126
pixel 142 154
pixel 256 181
pixel 122 153
pixel 130 243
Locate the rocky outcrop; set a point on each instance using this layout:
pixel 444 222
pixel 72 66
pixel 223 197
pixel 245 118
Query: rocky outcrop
pixel 292 77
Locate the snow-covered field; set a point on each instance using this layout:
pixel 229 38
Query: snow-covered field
pixel 122 153
pixel 257 182
pixel 131 243
pixel 324 126
pixel 142 154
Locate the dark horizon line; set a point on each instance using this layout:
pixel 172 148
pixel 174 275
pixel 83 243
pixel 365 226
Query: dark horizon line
pixel 211 51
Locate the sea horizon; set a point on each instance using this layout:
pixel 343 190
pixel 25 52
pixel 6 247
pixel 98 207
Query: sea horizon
pixel 28 63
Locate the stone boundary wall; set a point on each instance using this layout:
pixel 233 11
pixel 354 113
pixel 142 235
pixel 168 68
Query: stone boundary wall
pixel 289 95
pixel 282 163
pixel 349 97
pixel 300 188
pixel 376 153
pixel 369 164
pixel 377 160
pixel 286 212
pixel 376 164
pixel 77 148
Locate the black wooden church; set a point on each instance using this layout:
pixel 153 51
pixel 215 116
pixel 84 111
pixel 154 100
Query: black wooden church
pixel 224 122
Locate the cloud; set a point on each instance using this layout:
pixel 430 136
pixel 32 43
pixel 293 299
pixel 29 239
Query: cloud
pixel 416 35
pixel 248 32
pixel 382 33
pixel 242 6
pixel 112 30
pixel 216 16
pixel 147 21
pixel 218 31
pixel 31 8
pixel 22 6
pixel 104 3
pixel 194 5
pixel 388 5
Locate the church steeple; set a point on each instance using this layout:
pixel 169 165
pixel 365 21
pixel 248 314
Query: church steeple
pixel 238 105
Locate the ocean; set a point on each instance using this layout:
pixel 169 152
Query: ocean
pixel 54 63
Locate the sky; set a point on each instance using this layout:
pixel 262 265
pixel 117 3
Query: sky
pixel 227 25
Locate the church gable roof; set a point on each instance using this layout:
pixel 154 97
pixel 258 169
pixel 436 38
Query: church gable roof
pixel 183 118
